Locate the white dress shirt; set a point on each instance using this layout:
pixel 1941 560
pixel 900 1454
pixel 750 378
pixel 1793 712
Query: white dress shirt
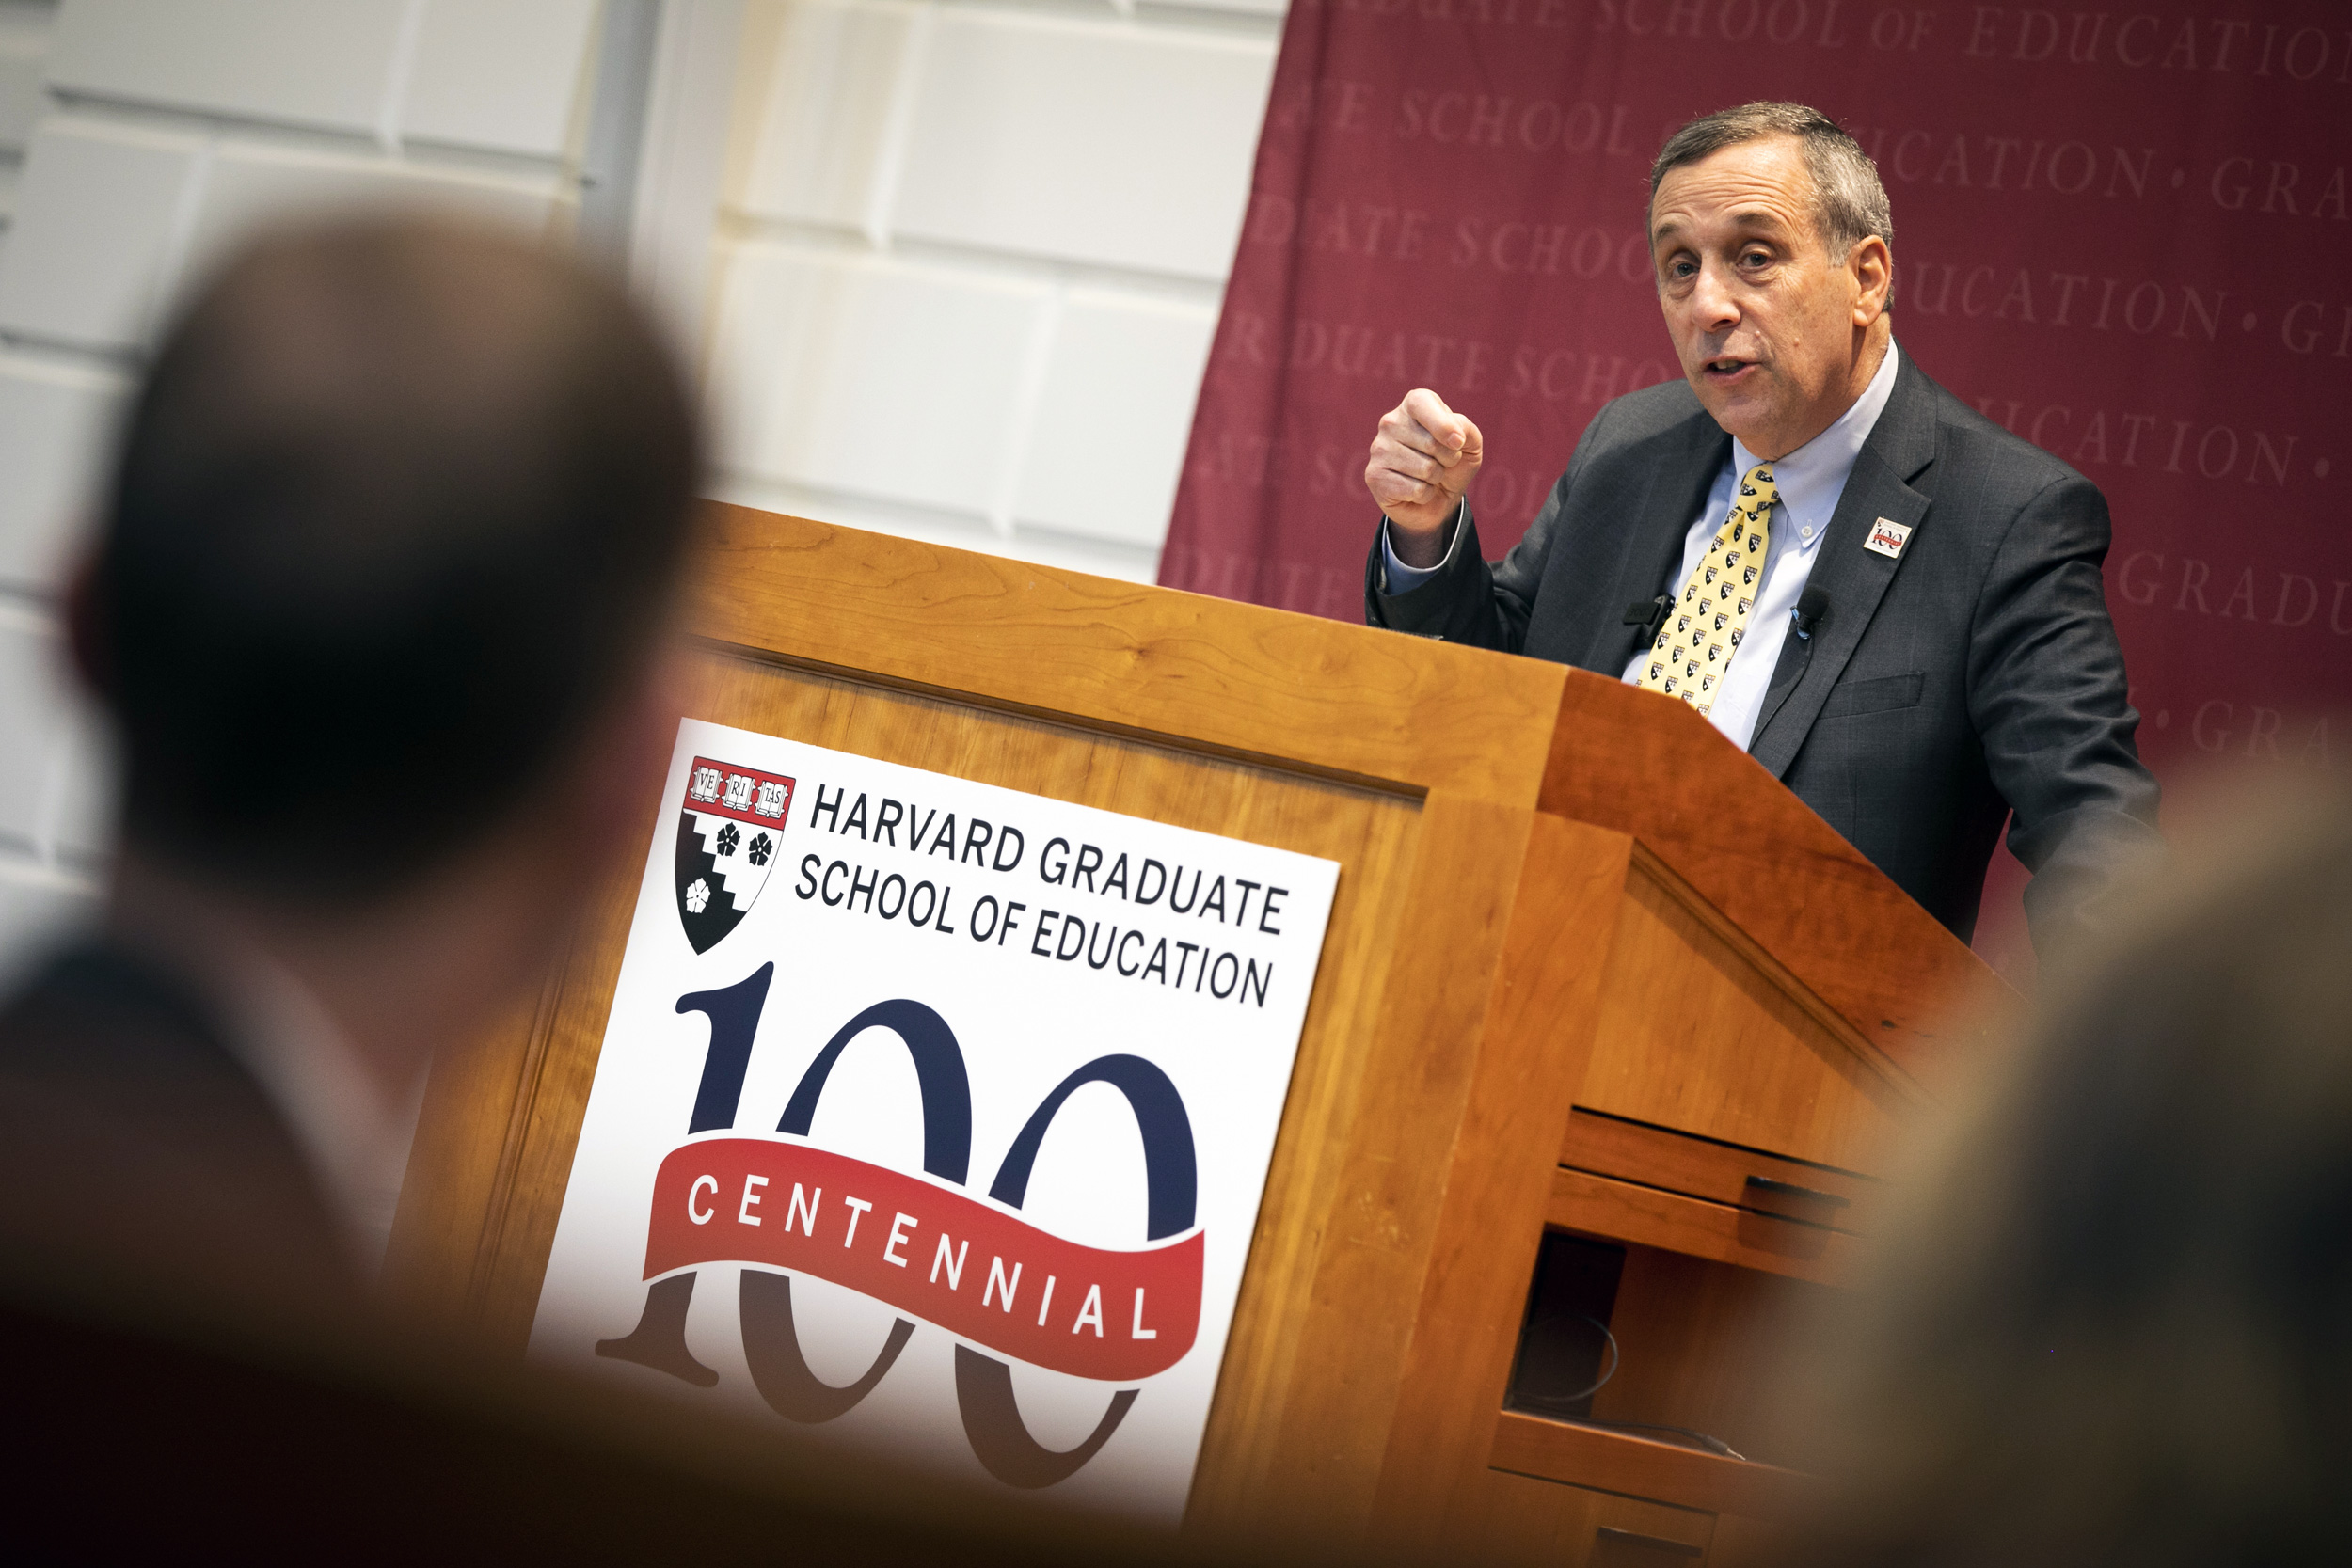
pixel 1809 480
pixel 355 1137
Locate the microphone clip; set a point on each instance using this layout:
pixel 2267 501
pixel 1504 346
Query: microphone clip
pixel 1811 610
pixel 1649 614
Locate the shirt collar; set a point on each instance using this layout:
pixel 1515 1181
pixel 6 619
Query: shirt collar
pixel 355 1138
pixel 1811 478
pixel 352 1135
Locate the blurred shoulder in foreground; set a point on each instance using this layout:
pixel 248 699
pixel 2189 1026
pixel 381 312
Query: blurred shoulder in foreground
pixel 2113 1328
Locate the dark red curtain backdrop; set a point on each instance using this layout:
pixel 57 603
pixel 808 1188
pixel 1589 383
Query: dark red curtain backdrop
pixel 2123 232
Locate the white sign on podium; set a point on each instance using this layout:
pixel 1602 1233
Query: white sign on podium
pixel 935 1116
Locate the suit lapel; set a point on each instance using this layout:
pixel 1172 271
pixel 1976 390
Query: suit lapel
pixel 1654 540
pixel 1853 577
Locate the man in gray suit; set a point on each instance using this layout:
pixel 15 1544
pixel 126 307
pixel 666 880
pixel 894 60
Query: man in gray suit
pixel 1917 645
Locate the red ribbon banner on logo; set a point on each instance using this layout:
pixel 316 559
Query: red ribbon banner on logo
pixel 934 1253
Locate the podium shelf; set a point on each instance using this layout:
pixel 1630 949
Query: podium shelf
pixel 1641 1467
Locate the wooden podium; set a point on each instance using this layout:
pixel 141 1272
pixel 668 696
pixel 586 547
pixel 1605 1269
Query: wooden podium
pixel 1591 973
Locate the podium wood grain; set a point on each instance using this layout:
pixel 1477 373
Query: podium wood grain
pixel 1543 904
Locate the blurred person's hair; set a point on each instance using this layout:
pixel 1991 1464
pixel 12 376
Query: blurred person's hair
pixel 2113 1323
pixel 400 509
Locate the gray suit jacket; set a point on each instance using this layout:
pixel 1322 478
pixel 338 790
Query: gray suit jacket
pixel 1975 675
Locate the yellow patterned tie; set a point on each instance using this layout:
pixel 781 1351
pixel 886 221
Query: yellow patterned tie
pixel 1694 647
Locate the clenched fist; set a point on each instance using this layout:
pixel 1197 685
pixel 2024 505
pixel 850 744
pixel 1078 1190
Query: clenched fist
pixel 1422 461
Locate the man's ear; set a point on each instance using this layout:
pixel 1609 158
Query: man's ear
pixel 1871 265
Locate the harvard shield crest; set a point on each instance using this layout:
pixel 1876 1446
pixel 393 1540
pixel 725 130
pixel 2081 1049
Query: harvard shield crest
pixel 729 837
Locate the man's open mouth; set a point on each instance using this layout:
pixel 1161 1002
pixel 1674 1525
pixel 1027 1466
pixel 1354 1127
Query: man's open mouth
pixel 1727 367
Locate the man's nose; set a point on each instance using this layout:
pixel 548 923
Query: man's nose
pixel 1713 307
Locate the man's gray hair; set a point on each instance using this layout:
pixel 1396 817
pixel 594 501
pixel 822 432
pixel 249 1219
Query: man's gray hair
pixel 1849 201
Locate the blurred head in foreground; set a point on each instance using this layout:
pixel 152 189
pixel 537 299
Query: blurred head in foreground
pixel 395 524
pixel 376 609
pixel 2117 1327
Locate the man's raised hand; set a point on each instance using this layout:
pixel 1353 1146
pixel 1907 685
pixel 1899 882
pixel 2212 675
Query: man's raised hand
pixel 1421 461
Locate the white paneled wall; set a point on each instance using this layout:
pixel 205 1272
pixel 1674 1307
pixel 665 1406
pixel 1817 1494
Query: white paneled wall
pixel 970 259
pixel 805 345
pixel 138 138
pixel 23 46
